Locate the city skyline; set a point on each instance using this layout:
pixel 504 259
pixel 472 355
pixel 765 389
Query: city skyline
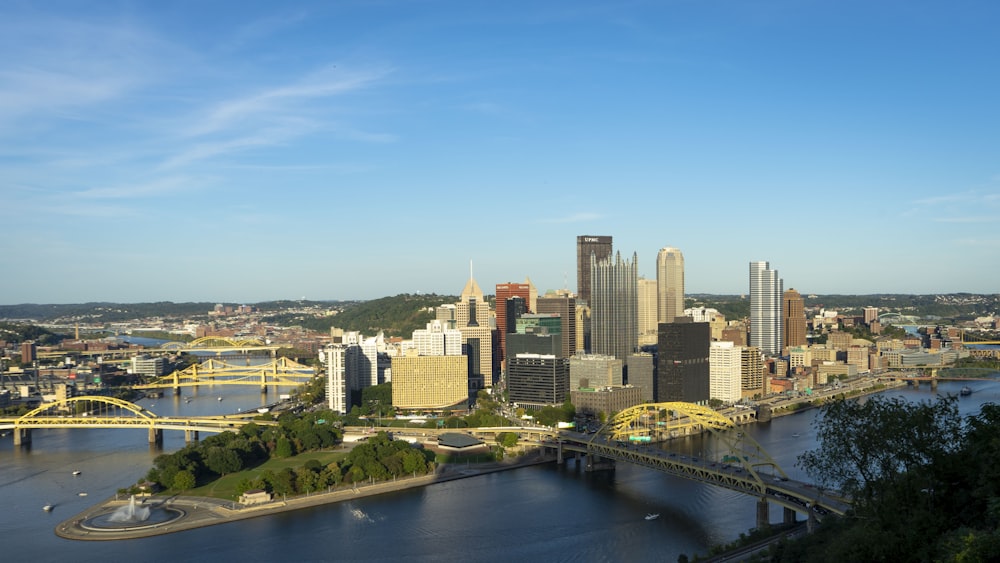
pixel 249 152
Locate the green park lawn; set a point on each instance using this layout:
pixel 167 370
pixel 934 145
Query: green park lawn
pixel 225 487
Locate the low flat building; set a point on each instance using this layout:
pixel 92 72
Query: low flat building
pixel 608 400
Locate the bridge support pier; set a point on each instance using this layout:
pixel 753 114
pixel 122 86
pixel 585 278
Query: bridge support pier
pixel 263 389
pixel 22 436
pixel 177 391
pixel 811 521
pixel 597 463
pixel 156 436
pixel 190 436
pixel 763 514
pixel 788 515
pixel 934 385
pixel 559 453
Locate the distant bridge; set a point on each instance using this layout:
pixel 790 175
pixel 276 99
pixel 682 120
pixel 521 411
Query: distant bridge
pixel 280 371
pixel 107 412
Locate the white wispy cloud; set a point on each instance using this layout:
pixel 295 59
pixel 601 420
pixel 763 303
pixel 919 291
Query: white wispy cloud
pixel 54 68
pixel 155 188
pixel 281 102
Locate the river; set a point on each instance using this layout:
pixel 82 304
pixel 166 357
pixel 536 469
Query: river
pixel 543 513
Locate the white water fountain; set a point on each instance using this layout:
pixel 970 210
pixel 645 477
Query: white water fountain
pixel 132 516
pixel 130 513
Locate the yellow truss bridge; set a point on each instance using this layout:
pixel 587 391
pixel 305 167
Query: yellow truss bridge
pixel 737 461
pixel 971 339
pixel 220 344
pixel 280 371
pixel 108 412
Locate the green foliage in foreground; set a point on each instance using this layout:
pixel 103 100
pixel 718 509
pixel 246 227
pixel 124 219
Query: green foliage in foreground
pixel 925 482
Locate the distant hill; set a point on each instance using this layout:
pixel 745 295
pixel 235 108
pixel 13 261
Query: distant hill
pixel 398 315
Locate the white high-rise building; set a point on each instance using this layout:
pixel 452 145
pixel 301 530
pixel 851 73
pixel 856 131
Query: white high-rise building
pixel 335 356
pixel 669 284
pixel 724 371
pixel 436 340
pixel 766 289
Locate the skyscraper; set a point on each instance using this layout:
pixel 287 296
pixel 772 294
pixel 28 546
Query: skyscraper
pixel 683 358
pixel 794 315
pixel 669 284
pixel 647 311
pixel 504 292
pixel 614 319
pixel 765 308
pixel 599 246
pixel 565 307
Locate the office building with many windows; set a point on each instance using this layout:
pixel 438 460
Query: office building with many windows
pixel 765 308
pixel 587 246
pixel 613 316
pixel 669 284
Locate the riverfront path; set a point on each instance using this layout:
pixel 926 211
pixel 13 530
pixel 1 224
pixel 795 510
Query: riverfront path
pixel 198 512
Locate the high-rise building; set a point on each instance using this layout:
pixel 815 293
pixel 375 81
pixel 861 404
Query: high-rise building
pixel 647 311
pixel 565 306
pixel 587 245
pixel 504 293
pixel 594 370
pixel 436 340
pixel 537 380
pixel 794 311
pixel 871 315
pixel 765 308
pixel 641 372
pixel 682 355
pixel 669 284
pixel 614 319
pixel 725 382
pixel 752 372
pixel 337 396
pixel 429 382
pixel 472 308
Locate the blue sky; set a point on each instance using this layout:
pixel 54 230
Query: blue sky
pixel 249 151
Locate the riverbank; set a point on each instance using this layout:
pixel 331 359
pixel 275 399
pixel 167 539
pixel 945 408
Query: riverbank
pixel 199 512
pixel 792 406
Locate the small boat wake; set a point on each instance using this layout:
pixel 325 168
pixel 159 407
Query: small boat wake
pixel 360 515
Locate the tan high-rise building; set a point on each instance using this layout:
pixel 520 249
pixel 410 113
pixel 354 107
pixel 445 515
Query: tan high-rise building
pixel 670 284
pixel 752 372
pixel 472 309
pixel 647 310
pixel 794 309
pixel 429 382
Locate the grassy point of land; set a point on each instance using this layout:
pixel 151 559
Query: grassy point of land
pixel 225 487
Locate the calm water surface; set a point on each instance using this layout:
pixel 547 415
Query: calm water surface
pixel 544 513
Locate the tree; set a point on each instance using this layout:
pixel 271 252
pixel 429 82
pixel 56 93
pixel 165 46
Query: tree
pixel 222 460
pixel 867 445
pixel 183 480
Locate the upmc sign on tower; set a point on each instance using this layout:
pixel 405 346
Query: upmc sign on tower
pixel 600 246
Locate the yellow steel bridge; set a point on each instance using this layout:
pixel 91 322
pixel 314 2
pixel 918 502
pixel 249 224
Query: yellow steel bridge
pixel 280 371
pixel 107 412
pixel 737 463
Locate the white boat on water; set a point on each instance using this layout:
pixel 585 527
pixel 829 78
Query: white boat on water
pixel 48 508
pixel 220 398
pixel 81 494
pixel 652 516
pixel 77 472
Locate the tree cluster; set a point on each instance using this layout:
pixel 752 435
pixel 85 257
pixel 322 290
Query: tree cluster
pixel 925 482
pixel 229 452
